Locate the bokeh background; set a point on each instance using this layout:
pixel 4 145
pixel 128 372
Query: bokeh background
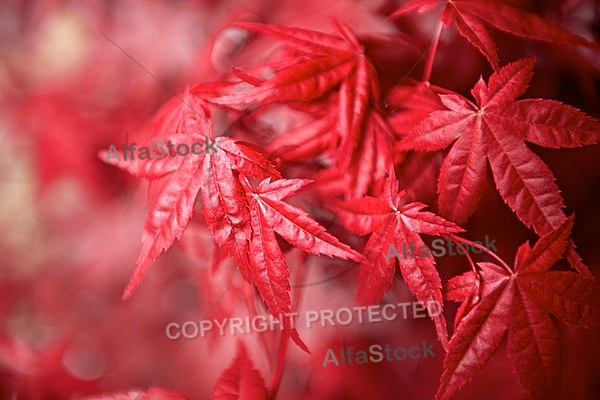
pixel 71 225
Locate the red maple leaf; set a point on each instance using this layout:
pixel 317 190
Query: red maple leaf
pixel 240 381
pixel 517 302
pixel 496 128
pixel 391 222
pixel 314 65
pixel 175 179
pixel 242 221
pixel 471 17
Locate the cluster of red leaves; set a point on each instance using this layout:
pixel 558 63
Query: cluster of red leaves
pixel 353 131
pixel 241 192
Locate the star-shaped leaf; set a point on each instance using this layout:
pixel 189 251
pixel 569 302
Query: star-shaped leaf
pixel 518 302
pixel 391 223
pixel 495 129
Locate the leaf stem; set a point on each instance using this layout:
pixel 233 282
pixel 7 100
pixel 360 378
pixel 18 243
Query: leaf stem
pixel 280 366
pixel 285 337
pixel 457 239
pixel 432 52
pixel 471 263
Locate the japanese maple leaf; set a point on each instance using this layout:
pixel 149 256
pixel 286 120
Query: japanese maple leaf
pixel 518 303
pixel 496 128
pixel 314 63
pixel 244 221
pixel 390 222
pixel 319 63
pixel 262 262
pixel 471 17
pixel 240 381
pixel 175 180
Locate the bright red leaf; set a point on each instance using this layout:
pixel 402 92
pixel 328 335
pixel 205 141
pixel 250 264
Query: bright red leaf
pixel 392 223
pixel 518 302
pixel 242 221
pixel 471 17
pixel 268 215
pixel 495 128
pixel 320 64
pixel 175 178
